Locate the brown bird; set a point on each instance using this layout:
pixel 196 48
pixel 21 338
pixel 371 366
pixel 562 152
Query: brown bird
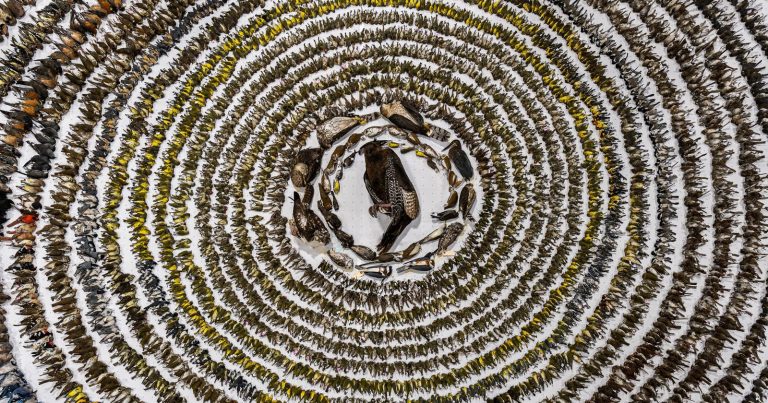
pixel 306 224
pixel 390 189
pixel 404 116
pixel 449 236
pixel 305 166
pixel 445 215
pixel 467 200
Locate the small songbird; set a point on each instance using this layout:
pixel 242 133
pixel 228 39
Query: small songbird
pixel 364 252
pixel 404 116
pixel 306 224
pixel 341 259
pixel 390 189
pixel 467 199
pixel 335 128
pixel 379 272
pixel 460 159
pixel 305 166
pixel 445 215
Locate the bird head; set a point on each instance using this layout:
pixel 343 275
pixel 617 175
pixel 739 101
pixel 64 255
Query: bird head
pixel 452 144
pixel 371 147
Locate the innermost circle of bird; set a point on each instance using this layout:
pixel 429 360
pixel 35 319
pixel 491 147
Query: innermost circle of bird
pixel 389 188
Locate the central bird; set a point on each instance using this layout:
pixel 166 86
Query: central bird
pixel 390 189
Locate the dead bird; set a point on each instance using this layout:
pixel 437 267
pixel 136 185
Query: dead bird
pixel 411 250
pixel 460 159
pixel 445 215
pixel 390 189
pixel 335 128
pixel 364 252
pixel 344 238
pixel 305 166
pixel 341 259
pixel 306 224
pixel 381 272
pixel 422 264
pixel 449 236
pixel 332 219
pixel 467 199
pixel 453 198
pixel 404 116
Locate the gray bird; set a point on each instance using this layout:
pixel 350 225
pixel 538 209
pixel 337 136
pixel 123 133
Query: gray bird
pixel 390 189
pixel 404 116
pixel 460 159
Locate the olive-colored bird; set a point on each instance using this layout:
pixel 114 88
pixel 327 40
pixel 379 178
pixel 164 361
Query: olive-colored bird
pixel 404 116
pixel 460 159
pixel 390 189
pixel 305 166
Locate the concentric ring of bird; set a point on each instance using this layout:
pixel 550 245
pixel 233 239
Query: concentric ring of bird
pixel 431 186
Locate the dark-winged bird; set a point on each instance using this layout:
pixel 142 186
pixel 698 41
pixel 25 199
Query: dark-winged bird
pixel 404 116
pixel 460 159
pixel 390 189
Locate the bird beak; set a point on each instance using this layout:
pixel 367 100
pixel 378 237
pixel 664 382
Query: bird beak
pixel 448 146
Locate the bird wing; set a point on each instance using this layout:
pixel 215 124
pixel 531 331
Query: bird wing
pixel 408 194
pixel 404 123
pixel 461 161
pixel 371 192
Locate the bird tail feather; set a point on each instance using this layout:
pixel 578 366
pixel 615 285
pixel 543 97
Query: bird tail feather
pixel 395 228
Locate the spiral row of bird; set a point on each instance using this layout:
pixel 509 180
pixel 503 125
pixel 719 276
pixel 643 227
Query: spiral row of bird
pixel 617 251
